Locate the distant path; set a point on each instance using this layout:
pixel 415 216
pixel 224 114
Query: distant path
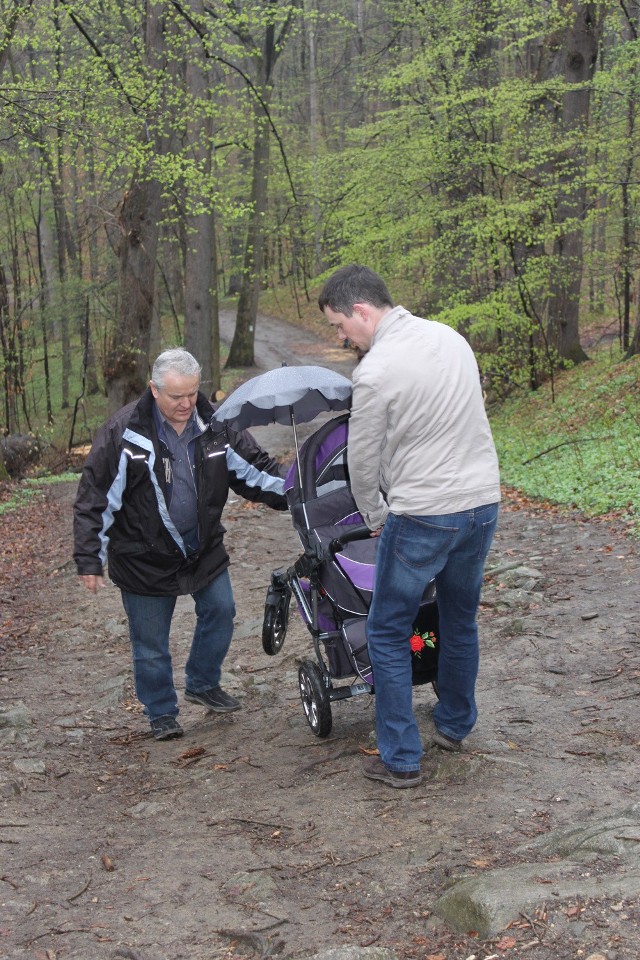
pixel 278 342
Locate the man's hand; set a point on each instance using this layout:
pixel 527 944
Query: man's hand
pixel 92 582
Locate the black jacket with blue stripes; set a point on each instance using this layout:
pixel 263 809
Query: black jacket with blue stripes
pixel 121 512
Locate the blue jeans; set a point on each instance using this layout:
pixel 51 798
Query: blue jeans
pixel 412 551
pixel 149 626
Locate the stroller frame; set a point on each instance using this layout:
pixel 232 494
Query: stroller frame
pixel 336 657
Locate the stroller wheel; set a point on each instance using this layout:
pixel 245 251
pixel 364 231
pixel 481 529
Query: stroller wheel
pixel 274 625
pixel 315 698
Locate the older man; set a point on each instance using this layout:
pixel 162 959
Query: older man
pixel 150 499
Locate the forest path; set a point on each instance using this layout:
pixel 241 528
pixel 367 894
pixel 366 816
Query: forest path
pixel 250 837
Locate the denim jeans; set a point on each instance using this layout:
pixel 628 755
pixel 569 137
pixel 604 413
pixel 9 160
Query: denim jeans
pixel 412 551
pixel 149 626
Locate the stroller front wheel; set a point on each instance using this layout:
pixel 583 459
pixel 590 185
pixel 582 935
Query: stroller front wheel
pixel 315 698
pixel 275 622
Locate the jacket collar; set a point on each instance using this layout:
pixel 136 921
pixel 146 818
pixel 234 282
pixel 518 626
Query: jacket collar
pixel 389 320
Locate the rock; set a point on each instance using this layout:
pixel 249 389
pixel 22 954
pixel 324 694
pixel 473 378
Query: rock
pixel 355 953
pixel 29 766
pixel 18 452
pixel 16 717
pixel 112 690
pixel 616 835
pixel 249 628
pixel 116 628
pixel 251 887
pixel 146 809
pixel 488 903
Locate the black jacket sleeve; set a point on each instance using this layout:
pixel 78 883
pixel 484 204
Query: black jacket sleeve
pixel 253 473
pixel 90 507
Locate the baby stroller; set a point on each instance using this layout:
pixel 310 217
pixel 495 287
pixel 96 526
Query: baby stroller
pixel 332 582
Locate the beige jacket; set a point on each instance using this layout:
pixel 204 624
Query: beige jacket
pixel 418 429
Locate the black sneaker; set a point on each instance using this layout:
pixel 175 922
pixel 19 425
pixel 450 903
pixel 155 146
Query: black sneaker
pixel 374 768
pixel 166 728
pixel 215 699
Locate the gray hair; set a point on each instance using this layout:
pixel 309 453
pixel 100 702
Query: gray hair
pixel 177 361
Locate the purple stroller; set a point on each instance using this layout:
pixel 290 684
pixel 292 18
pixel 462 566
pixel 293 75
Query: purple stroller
pixel 332 582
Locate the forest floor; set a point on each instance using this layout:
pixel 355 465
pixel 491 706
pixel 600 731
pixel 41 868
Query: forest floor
pixel 250 837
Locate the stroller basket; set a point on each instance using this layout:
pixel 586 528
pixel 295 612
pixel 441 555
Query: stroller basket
pixel 332 583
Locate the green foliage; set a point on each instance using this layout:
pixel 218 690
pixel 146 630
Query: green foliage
pixel 582 450
pixel 26 491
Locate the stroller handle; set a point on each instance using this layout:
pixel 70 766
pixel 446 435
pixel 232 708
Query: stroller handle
pixel 361 532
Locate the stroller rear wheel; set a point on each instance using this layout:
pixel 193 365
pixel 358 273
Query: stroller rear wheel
pixel 315 698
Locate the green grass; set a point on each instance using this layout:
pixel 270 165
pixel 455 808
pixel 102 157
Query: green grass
pixel 583 450
pixel 26 491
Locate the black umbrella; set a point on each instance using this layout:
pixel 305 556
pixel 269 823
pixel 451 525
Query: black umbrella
pixel 285 395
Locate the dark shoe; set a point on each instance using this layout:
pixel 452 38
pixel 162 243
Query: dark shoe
pixel 166 728
pixel 215 699
pixel 446 743
pixel 374 769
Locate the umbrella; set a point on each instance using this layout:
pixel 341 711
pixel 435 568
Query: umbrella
pixel 285 395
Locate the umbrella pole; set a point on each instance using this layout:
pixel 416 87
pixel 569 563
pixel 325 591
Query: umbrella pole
pixel 295 440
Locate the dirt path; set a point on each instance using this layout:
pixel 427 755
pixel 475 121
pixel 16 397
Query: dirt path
pixel 250 837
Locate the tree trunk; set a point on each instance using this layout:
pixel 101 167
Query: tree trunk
pixel 127 363
pixel 241 352
pixel 634 345
pixel 271 46
pixel 579 58
pixel 7 30
pixel 314 131
pixel 201 329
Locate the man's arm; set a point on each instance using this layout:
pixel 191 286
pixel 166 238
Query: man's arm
pixel 367 435
pixel 90 506
pixel 253 473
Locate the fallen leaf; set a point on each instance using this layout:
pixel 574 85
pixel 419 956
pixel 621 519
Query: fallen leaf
pixel 192 752
pixel 107 863
pixel 506 943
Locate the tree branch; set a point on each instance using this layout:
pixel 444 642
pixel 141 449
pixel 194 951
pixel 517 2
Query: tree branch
pixel 564 443
pixel 202 34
